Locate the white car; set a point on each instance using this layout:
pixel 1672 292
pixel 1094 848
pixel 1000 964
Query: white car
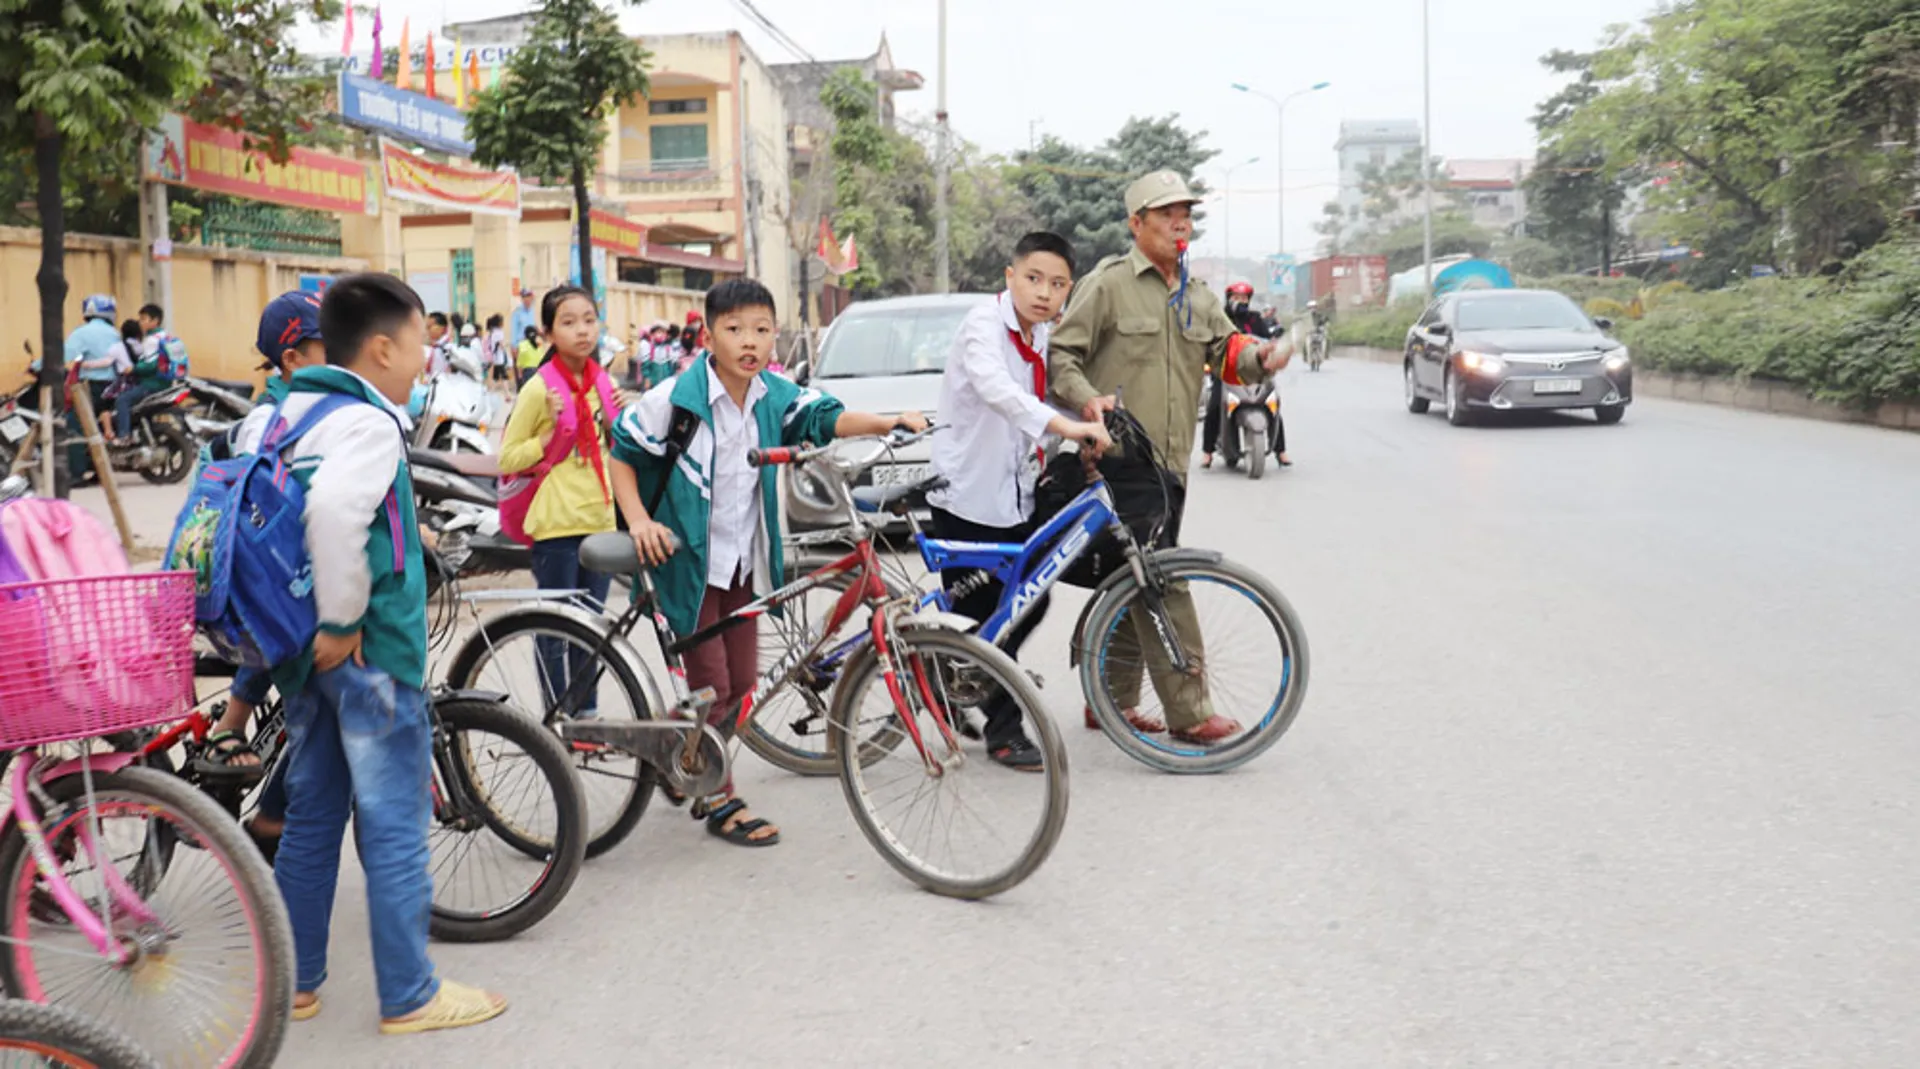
pixel 883 356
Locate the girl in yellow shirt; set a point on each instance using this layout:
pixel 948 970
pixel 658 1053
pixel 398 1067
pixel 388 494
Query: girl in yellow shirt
pixel 575 499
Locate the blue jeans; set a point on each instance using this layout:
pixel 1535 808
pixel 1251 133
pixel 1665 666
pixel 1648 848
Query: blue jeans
pixel 556 566
pixel 123 406
pixel 358 742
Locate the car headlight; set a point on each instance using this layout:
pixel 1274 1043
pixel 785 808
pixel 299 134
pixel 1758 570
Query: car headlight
pixel 1484 363
pixel 1617 360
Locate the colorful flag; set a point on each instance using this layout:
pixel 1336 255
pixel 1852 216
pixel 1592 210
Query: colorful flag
pixel 825 249
pixel 849 257
pixel 459 78
pixel 430 65
pixel 379 54
pixel 346 39
pixel 493 75
pixel 473 68
pixel 403 70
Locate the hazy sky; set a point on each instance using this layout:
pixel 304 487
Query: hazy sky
pixel 1080 68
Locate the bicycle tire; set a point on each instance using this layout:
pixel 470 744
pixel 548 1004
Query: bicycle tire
pixel 565 853
pixel 933 643
pixel 1102 619
pixel 758 733
pixel 604 830
pixel 270 936
pixel 66 1039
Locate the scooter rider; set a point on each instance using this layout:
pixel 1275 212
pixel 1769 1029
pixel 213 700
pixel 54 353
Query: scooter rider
pixel 1239 308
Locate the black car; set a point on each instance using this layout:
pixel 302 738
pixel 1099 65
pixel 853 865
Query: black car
pixel 1505 350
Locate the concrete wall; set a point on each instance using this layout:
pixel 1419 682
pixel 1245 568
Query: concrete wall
pixel 1755 395
pixel 217 294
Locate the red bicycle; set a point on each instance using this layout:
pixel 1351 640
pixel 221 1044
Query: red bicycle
pixel 926 796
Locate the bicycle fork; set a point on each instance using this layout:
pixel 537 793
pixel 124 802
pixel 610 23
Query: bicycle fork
pixel 96 927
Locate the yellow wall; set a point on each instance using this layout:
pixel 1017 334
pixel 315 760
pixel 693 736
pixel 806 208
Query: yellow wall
pixel 218 295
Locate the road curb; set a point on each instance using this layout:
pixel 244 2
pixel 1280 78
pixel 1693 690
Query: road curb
pixel 1753 395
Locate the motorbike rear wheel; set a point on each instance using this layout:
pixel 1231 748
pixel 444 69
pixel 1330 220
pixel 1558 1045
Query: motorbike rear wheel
pixel 1254 443
pixel 172 456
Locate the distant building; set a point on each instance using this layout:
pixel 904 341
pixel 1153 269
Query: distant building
pixel 1494 191
pixel 1369 144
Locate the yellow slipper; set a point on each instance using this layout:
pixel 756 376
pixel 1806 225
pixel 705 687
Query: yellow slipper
pixel 307 1012
pixel 454 1006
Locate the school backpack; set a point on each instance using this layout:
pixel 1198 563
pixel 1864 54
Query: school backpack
pixel 243 534
pixel 172 353
pixel 517 491
pixel 45 538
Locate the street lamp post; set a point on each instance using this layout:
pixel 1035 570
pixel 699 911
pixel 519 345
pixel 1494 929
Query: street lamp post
pixel 1280 147
pixel 1426 142
pixel 1226 223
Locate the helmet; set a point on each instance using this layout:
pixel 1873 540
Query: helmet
pixel 1241 289
pixel 99 306
pixel 1312 305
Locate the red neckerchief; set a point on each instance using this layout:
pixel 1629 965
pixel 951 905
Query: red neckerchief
pixel 589 443
pixel 1036 362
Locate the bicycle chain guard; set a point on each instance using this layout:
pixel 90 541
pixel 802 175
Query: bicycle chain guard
pixel 660 743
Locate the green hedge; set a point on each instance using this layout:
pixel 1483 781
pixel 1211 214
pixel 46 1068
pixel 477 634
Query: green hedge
pixel 1379 328
pixel 1854 339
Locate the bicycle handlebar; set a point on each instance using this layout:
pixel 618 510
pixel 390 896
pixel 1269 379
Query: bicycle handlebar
pixel 787 454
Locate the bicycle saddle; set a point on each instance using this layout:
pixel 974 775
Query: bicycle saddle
pixel 883 498
pixel 613 553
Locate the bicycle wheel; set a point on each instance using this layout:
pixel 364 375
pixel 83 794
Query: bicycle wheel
pixel 503 657
pixel 210 982
pixel 509 834
pixel 969 828
pixel 1251 663
pixel 790 729
pixel 31 1034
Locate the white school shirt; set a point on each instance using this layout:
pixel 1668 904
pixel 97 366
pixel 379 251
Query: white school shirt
pixel 735 523
pixel 994 424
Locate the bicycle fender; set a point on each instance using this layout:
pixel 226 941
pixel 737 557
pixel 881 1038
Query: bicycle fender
pixel 620 645
pixel 492 697
pixel 937 620
pixel 102 763
pixel 1125 575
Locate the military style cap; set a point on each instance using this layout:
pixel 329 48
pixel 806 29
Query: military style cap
pixel 1157 190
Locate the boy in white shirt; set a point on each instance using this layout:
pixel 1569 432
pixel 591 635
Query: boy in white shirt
pixel 992 399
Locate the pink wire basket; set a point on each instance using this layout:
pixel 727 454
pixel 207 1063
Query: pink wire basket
pixel 86 657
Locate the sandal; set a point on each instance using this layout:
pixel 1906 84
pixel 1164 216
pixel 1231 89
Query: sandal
pixel 1139 721
pixel 221 758
pixel 1216 729
pixel 308 1011
pixel 741 831
pixel 453 1006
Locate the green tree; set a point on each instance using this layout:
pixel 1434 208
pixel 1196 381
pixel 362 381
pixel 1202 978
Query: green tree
pixel 866 196
pixel 75 77
pixel 547 116
pixel 1575 195
pixel 1080 193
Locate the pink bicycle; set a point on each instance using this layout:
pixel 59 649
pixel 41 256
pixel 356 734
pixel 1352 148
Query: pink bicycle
pixel 126 895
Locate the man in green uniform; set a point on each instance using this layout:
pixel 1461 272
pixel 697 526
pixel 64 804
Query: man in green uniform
pixel 1137 328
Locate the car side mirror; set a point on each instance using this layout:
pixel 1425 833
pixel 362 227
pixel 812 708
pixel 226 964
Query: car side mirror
pixel 800 371
pixel 1440 330
pixel 1603 323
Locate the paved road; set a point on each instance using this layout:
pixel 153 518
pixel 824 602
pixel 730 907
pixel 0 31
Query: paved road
pixel 1608 761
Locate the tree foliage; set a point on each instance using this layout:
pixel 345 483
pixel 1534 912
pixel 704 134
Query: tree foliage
pixel 1081 193
pixel 1574 196
pixel 547 116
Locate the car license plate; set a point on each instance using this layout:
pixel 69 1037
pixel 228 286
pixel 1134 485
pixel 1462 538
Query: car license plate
pixel 13 428
pixel 1556 386
pixel 902 474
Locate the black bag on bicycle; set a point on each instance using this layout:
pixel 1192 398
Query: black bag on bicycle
pixel 1148 498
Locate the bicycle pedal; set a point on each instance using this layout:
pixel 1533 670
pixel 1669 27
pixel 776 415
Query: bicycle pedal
pixel 697 703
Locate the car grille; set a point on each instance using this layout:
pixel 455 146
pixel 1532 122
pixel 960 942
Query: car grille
pixel 1519 391
pixel 1540 363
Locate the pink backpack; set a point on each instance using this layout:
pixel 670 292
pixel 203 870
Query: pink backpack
pixel 518 490
pixel 52 539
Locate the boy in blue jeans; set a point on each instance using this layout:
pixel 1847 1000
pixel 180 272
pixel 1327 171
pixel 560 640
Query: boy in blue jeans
pixel 359 738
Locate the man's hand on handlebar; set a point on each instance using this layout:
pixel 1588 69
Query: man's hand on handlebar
pixel 1093 436
pixel 654 542
pixel 911 422
pixel 1097 408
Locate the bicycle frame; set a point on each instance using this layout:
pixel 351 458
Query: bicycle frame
pixel 29 770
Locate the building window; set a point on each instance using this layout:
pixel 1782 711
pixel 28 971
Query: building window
pixel 695 106
pixel 679 147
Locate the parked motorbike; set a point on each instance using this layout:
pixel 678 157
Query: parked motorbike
pixel 217 406
pixel 458 503
pixel 453 409
pixel 1251 430
pixel 157 448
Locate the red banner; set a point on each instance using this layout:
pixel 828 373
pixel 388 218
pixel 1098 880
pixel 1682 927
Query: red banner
pixel 616 234
pixel 206 157
pixel 410 177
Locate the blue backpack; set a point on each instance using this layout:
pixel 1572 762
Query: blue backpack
pixel 243 534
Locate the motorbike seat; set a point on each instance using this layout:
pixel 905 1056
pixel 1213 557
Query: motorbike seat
pixel 898 499
pixel 613 553
pixel 244 389
pixel 468 464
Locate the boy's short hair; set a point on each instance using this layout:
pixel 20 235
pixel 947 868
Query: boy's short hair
pixel 735 294
pixel 1045 241
pixel 495 321
pixel 532 334
pixel 439 318
pixel 153 312
pixel 362 306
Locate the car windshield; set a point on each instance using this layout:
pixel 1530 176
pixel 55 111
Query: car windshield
pixel 1522 311
pixel 907 341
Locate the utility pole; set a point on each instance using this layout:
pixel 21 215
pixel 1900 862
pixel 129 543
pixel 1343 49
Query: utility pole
pixel 156 270
pixel 1033 137
pixel 942 273
pixel 1426 136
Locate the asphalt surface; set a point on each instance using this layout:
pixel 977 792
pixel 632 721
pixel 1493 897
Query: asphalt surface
pixel 1606 762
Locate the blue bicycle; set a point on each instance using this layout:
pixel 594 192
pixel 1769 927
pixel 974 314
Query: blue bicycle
pixel 1242 652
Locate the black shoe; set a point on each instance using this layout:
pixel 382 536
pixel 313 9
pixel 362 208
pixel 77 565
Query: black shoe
pixel 1019 755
